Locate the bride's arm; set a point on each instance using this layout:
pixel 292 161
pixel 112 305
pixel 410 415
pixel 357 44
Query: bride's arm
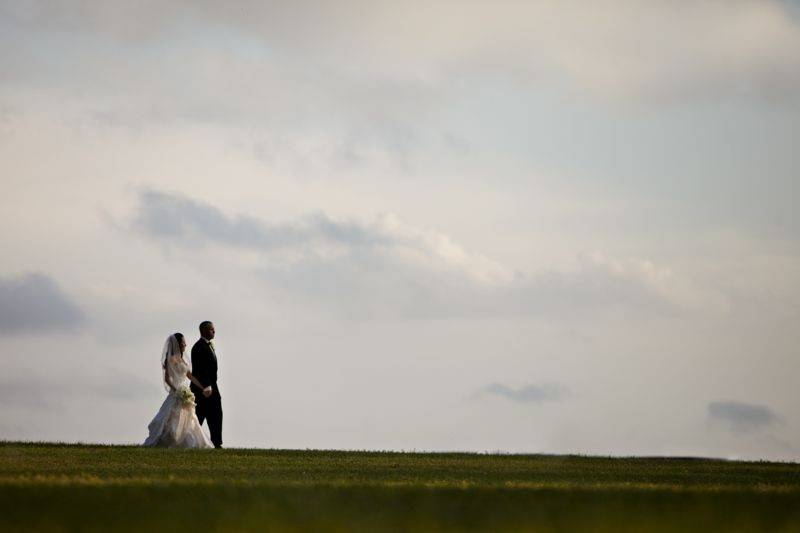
pixel 167 380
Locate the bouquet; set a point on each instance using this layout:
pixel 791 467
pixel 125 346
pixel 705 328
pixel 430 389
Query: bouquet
pixel 185 395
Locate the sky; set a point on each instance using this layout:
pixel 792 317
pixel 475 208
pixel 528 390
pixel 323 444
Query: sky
pixel 539 227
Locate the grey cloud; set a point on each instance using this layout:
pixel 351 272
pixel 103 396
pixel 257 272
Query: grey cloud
pixel 525 394
pixel 180 219
pixel 385 268
pixel 742 417
pixel 42 393
pixel 606 48
pixel 34 303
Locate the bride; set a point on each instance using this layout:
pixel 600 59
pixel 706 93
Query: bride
pixel 176 425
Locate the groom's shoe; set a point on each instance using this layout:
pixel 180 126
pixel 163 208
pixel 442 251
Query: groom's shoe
pixel 218 446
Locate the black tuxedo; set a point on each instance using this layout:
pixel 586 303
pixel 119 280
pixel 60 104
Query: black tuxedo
pixel 204 368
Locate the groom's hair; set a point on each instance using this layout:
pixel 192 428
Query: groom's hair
pixel 204 325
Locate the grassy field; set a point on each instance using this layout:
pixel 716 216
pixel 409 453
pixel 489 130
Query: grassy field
pixel 49 487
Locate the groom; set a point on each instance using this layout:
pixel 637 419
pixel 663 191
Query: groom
pixel 204 368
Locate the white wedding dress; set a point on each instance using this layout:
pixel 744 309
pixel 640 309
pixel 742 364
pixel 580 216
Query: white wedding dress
pixel 176 425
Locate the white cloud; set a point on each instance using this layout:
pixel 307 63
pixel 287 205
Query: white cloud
pixel 182 220
pixel 386 267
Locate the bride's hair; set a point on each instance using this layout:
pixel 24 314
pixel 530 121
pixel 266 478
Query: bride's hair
pixel 171 348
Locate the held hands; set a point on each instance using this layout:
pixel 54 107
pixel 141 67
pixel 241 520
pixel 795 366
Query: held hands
pixel 207 392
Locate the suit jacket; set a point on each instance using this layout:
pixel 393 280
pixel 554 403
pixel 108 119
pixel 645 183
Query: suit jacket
pixel 204 366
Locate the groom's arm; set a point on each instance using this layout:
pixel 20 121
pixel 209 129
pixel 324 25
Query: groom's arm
pixel 199 366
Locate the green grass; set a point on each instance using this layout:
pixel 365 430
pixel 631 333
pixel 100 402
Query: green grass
pixel 50 487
